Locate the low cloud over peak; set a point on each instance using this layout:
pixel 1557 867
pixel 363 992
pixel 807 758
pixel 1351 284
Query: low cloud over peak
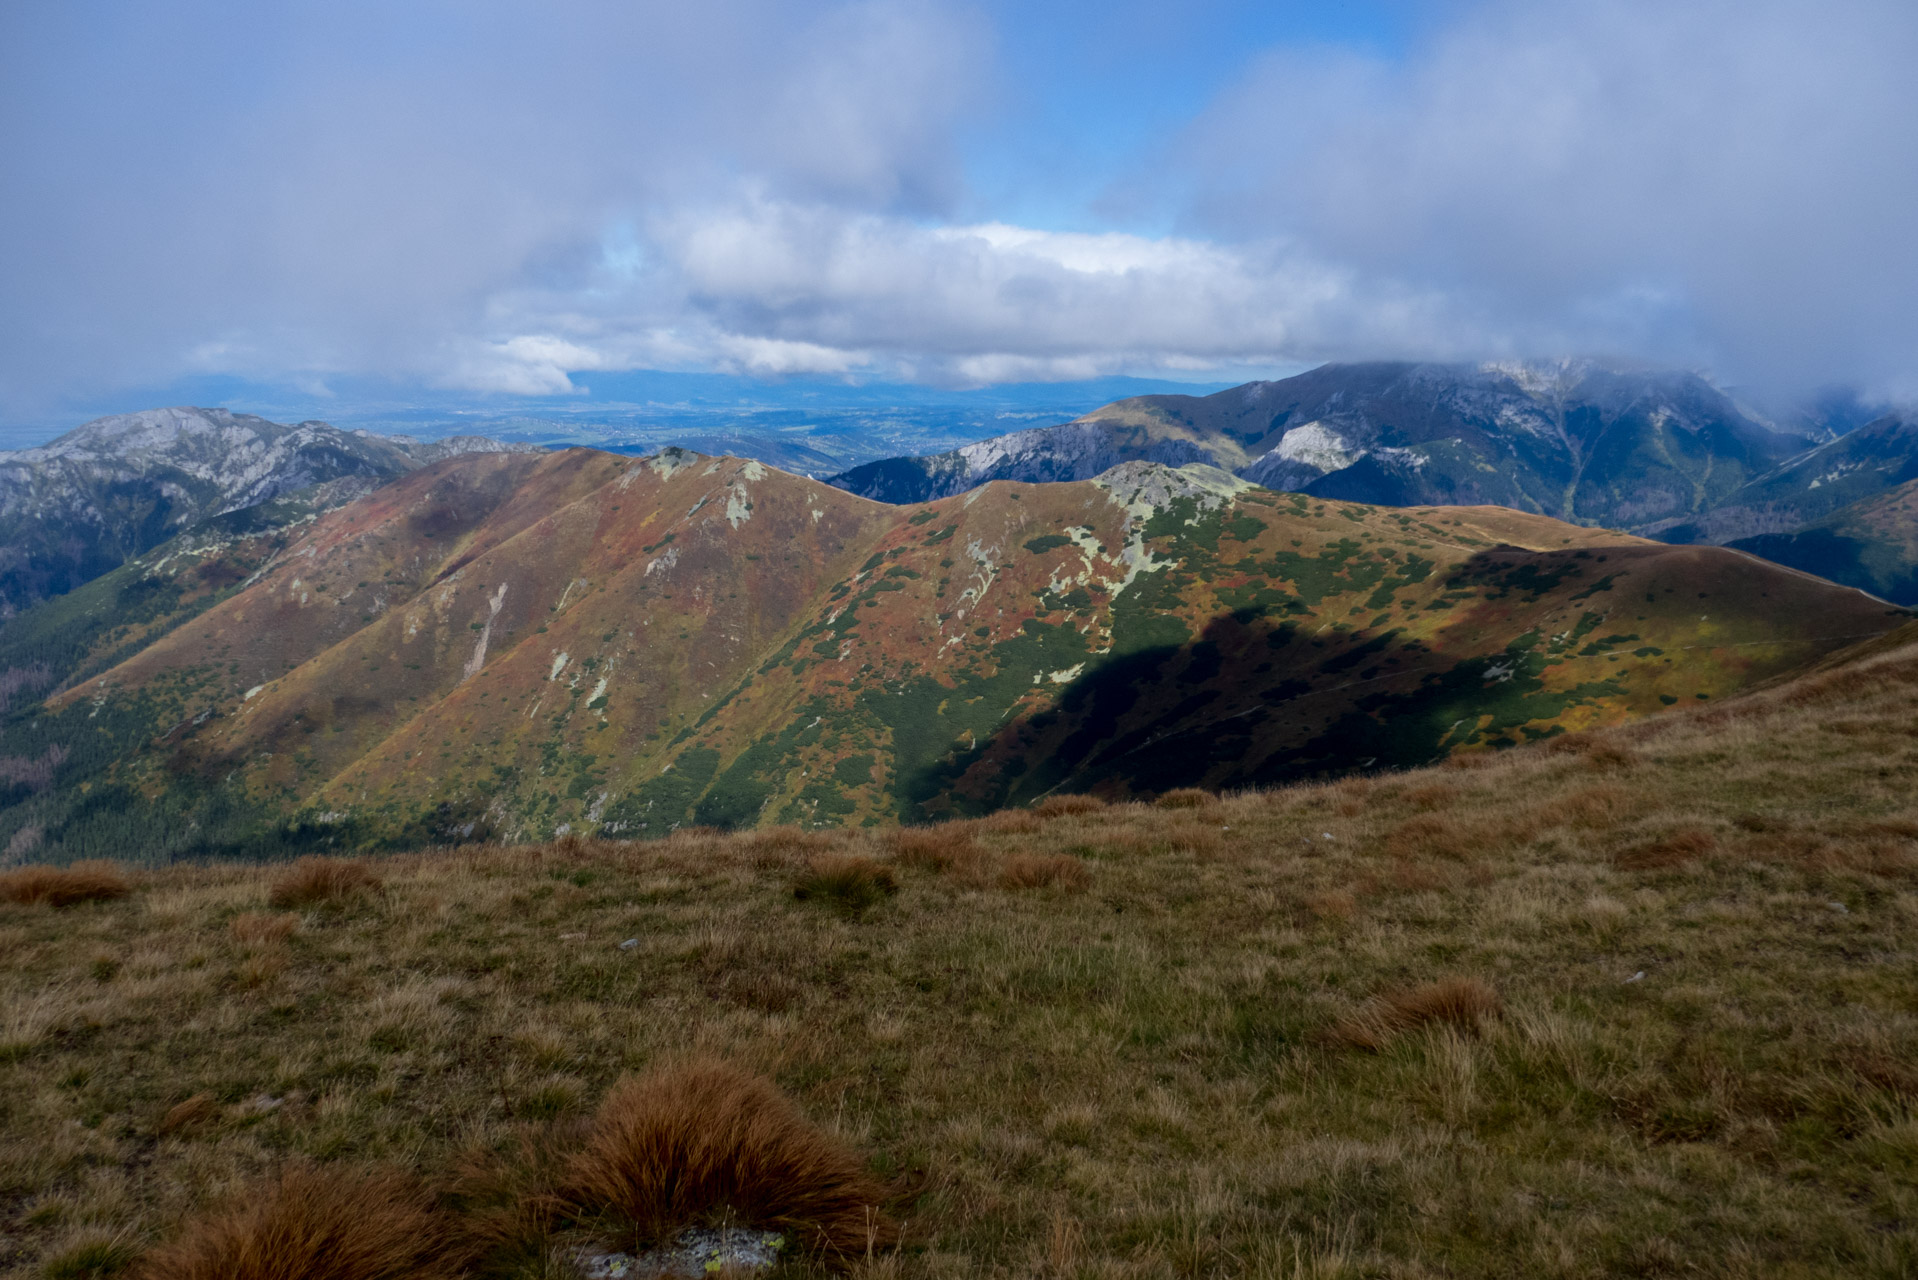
pixel 498 197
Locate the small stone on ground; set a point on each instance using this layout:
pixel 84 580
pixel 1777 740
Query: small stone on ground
pixel 699 1252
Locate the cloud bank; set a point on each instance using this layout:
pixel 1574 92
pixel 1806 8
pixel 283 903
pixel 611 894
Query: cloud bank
pixel 496 196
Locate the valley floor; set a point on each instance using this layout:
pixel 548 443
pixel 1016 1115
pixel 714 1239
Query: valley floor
pixel 1128 1041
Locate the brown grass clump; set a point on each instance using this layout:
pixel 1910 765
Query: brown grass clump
pixel 184 1117
pixel 258 929
pixel 1600 752
pixel 312 881
pixel 1463 1003
pixel 936 848
pixel 1431 796
pixel 314 1223
pixel 1045 871
pixel 706 1141
pixel 1068 806
pixel 65 886
pixel 1012 822
pixel 1186 798
pixel 777 845
pixel 1687 844
pixel 847 881
pixel 1434 835
pixel 1190 838
pixel 1591 808
pixel 1333 904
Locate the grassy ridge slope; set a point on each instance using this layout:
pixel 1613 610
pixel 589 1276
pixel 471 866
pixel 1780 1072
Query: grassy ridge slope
pixel 1699 926
pixel 1871 544
pixel 523 646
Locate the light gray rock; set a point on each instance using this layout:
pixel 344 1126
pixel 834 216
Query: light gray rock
pixel 116 487
pixel 699 1252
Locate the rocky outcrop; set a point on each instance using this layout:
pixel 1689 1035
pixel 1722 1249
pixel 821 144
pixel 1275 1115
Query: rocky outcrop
pixel 118 486
pixel 1640 449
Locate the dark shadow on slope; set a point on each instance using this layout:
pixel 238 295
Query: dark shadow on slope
pixel 1847 561
pixel 1256 701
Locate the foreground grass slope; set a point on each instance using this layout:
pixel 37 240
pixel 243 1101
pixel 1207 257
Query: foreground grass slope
pixel 1673 1028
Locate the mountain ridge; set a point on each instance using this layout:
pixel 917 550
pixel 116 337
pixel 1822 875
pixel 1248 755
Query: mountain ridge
pixel 512 645
pixel 113 488
pixel 1558 439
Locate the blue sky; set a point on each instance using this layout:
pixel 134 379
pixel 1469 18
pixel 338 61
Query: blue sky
pixel 496 198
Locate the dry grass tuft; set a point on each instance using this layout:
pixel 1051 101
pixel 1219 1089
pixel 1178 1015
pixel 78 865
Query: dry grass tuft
pixel 706 1141
pixel 778 846
pixel 1068 806
pixel 943 847
pixel 1463 1003
pixel 847 881
pixel 1190 838
pixel 1045 871
pixel 1435 835
pixel 258 929
pixel 1186 798
pixel 184 1117
pixel 1431 796
pixel 1600 751
pixel 312 881
pixel 1591 808
pixel 314 1223
pixel 1687 844
pixel 1012 822
pixel 1333 904
pixel 65 886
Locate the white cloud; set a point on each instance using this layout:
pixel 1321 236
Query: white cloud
pixel 371 188
pixel 769 286
pixel 497 195
pixel 1721 180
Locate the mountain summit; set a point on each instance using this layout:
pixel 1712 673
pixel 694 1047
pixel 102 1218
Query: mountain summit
pixel 115 487
pixel 1578 441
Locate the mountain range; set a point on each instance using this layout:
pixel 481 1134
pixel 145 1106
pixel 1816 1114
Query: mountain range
pixel 1658 453
pixel 116 487
pixel 521 645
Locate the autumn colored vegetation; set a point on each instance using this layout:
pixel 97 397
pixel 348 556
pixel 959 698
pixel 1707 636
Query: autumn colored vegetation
pixel 312 881
pixel 314 1223
pixel 64 886
pixel 704 1141
pixel 1635 1002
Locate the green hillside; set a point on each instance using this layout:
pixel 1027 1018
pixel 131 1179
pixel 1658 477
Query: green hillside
pixel 517 647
